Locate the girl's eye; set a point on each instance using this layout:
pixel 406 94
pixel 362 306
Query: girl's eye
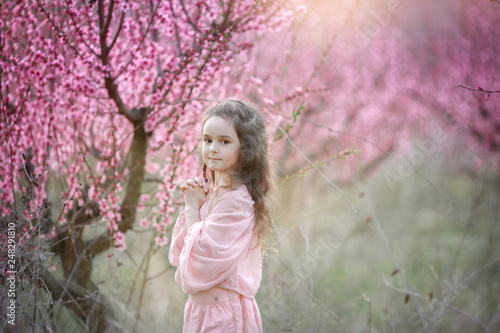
pixel 225 142
pixel 207 140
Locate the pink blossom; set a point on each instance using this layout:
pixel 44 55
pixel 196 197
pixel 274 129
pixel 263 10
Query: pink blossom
pixel 269 101
pixel 161 241
pixel 119 236
pixel 144 223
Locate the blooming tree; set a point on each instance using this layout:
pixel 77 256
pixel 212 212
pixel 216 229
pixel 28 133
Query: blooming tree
pixel 466 56
pixel 368 74
pixel 97 99
pixel 336 83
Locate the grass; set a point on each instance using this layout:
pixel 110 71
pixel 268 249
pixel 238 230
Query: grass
pixel 417 228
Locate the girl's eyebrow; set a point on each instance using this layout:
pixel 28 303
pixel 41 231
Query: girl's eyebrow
pixel 218 136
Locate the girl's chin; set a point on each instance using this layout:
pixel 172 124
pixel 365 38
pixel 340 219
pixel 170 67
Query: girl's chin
pixel 215 166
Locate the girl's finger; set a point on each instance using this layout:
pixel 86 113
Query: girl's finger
pixel 198 181
pixel 190 182
pixel 183 188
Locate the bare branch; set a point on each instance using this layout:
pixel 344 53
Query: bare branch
pixel 82 301
pixel 315 166
pixel 446 304
pixel 478 88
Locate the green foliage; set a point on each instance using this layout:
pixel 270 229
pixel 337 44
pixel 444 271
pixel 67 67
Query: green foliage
pixel 321 164
pixel 295 113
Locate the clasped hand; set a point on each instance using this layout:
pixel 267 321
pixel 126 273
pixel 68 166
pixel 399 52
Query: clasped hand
pixel 195 193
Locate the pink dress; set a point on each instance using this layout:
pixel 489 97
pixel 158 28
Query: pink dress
pixel 219 265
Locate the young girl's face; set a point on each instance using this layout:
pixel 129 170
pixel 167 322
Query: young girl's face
pixel 221 145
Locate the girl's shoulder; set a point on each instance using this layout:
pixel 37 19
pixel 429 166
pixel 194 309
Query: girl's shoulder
pixel 243 192
pixel 238 195
pixel 229 199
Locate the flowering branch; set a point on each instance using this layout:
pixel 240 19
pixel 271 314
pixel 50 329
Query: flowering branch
pixel 478 88
pixel 129 206
pixel 314 165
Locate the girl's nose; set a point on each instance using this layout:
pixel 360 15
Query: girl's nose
pixel 213 149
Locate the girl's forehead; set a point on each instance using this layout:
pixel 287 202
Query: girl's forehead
pixel 216 125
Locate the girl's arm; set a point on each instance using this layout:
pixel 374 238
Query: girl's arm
pixel 191 215
pixel 214 247
pixel 177 242
pixel 193 198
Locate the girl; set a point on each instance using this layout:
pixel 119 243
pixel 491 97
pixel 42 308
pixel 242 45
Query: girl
pixel 216 241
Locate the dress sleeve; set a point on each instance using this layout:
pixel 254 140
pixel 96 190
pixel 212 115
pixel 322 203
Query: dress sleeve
pixel 177 242
pixel 213 247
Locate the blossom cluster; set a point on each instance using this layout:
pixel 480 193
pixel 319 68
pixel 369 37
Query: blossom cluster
pixel 61 62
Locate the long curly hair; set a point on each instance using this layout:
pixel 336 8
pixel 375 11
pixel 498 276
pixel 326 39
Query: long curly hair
pixel 254 168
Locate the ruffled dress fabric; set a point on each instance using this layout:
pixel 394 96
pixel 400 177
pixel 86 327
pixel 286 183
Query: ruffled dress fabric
pixel 222 251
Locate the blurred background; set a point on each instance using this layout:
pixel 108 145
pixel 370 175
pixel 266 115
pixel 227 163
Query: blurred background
pixel 384 123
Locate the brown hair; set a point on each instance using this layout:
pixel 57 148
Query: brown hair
pixel 254 168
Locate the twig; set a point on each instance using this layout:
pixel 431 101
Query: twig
pixel 58 29
pixel 328 180
pixel 470 221
pixel 341 155
pixel 454 308
pixel 478 88
pixel 324 307
pixel 389 154
pixel 388 244
pixel 314 298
